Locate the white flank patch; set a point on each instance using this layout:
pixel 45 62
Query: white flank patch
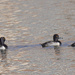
pixel 54 44
pixel 3 48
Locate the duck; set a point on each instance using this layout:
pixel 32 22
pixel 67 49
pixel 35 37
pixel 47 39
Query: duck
pixel 3 46
pixel 73 45
pixel 55 41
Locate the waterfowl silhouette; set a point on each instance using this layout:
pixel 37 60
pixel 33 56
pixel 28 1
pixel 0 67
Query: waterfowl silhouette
pixel 55 41
pixel 73 45
pixel 2 45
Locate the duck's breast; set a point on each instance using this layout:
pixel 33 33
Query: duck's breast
pixel 2 48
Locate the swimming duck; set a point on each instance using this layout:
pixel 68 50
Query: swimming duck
pixel 2 45
pixel 55 41
pixel 73 45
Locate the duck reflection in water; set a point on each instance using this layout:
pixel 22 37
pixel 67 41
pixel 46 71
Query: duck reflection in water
pixel 57 52
pixel 3 55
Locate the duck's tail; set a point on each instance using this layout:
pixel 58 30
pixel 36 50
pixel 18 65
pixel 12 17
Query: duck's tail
pixel 43 45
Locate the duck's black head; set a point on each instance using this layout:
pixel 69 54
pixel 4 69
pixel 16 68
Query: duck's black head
pixel 56 37
pixel 2 40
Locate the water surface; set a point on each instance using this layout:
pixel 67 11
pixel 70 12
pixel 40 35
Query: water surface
pixel 26 24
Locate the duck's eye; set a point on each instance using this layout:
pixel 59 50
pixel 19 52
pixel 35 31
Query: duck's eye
pixel 56 36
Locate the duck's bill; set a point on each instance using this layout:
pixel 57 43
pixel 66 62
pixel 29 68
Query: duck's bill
pixel 60 37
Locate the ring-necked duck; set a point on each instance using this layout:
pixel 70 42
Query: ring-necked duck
pixel 2 45
pixel 55 41
pixel 73 45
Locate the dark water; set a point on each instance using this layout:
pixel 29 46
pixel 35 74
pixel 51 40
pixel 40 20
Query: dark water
pixel 26 24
